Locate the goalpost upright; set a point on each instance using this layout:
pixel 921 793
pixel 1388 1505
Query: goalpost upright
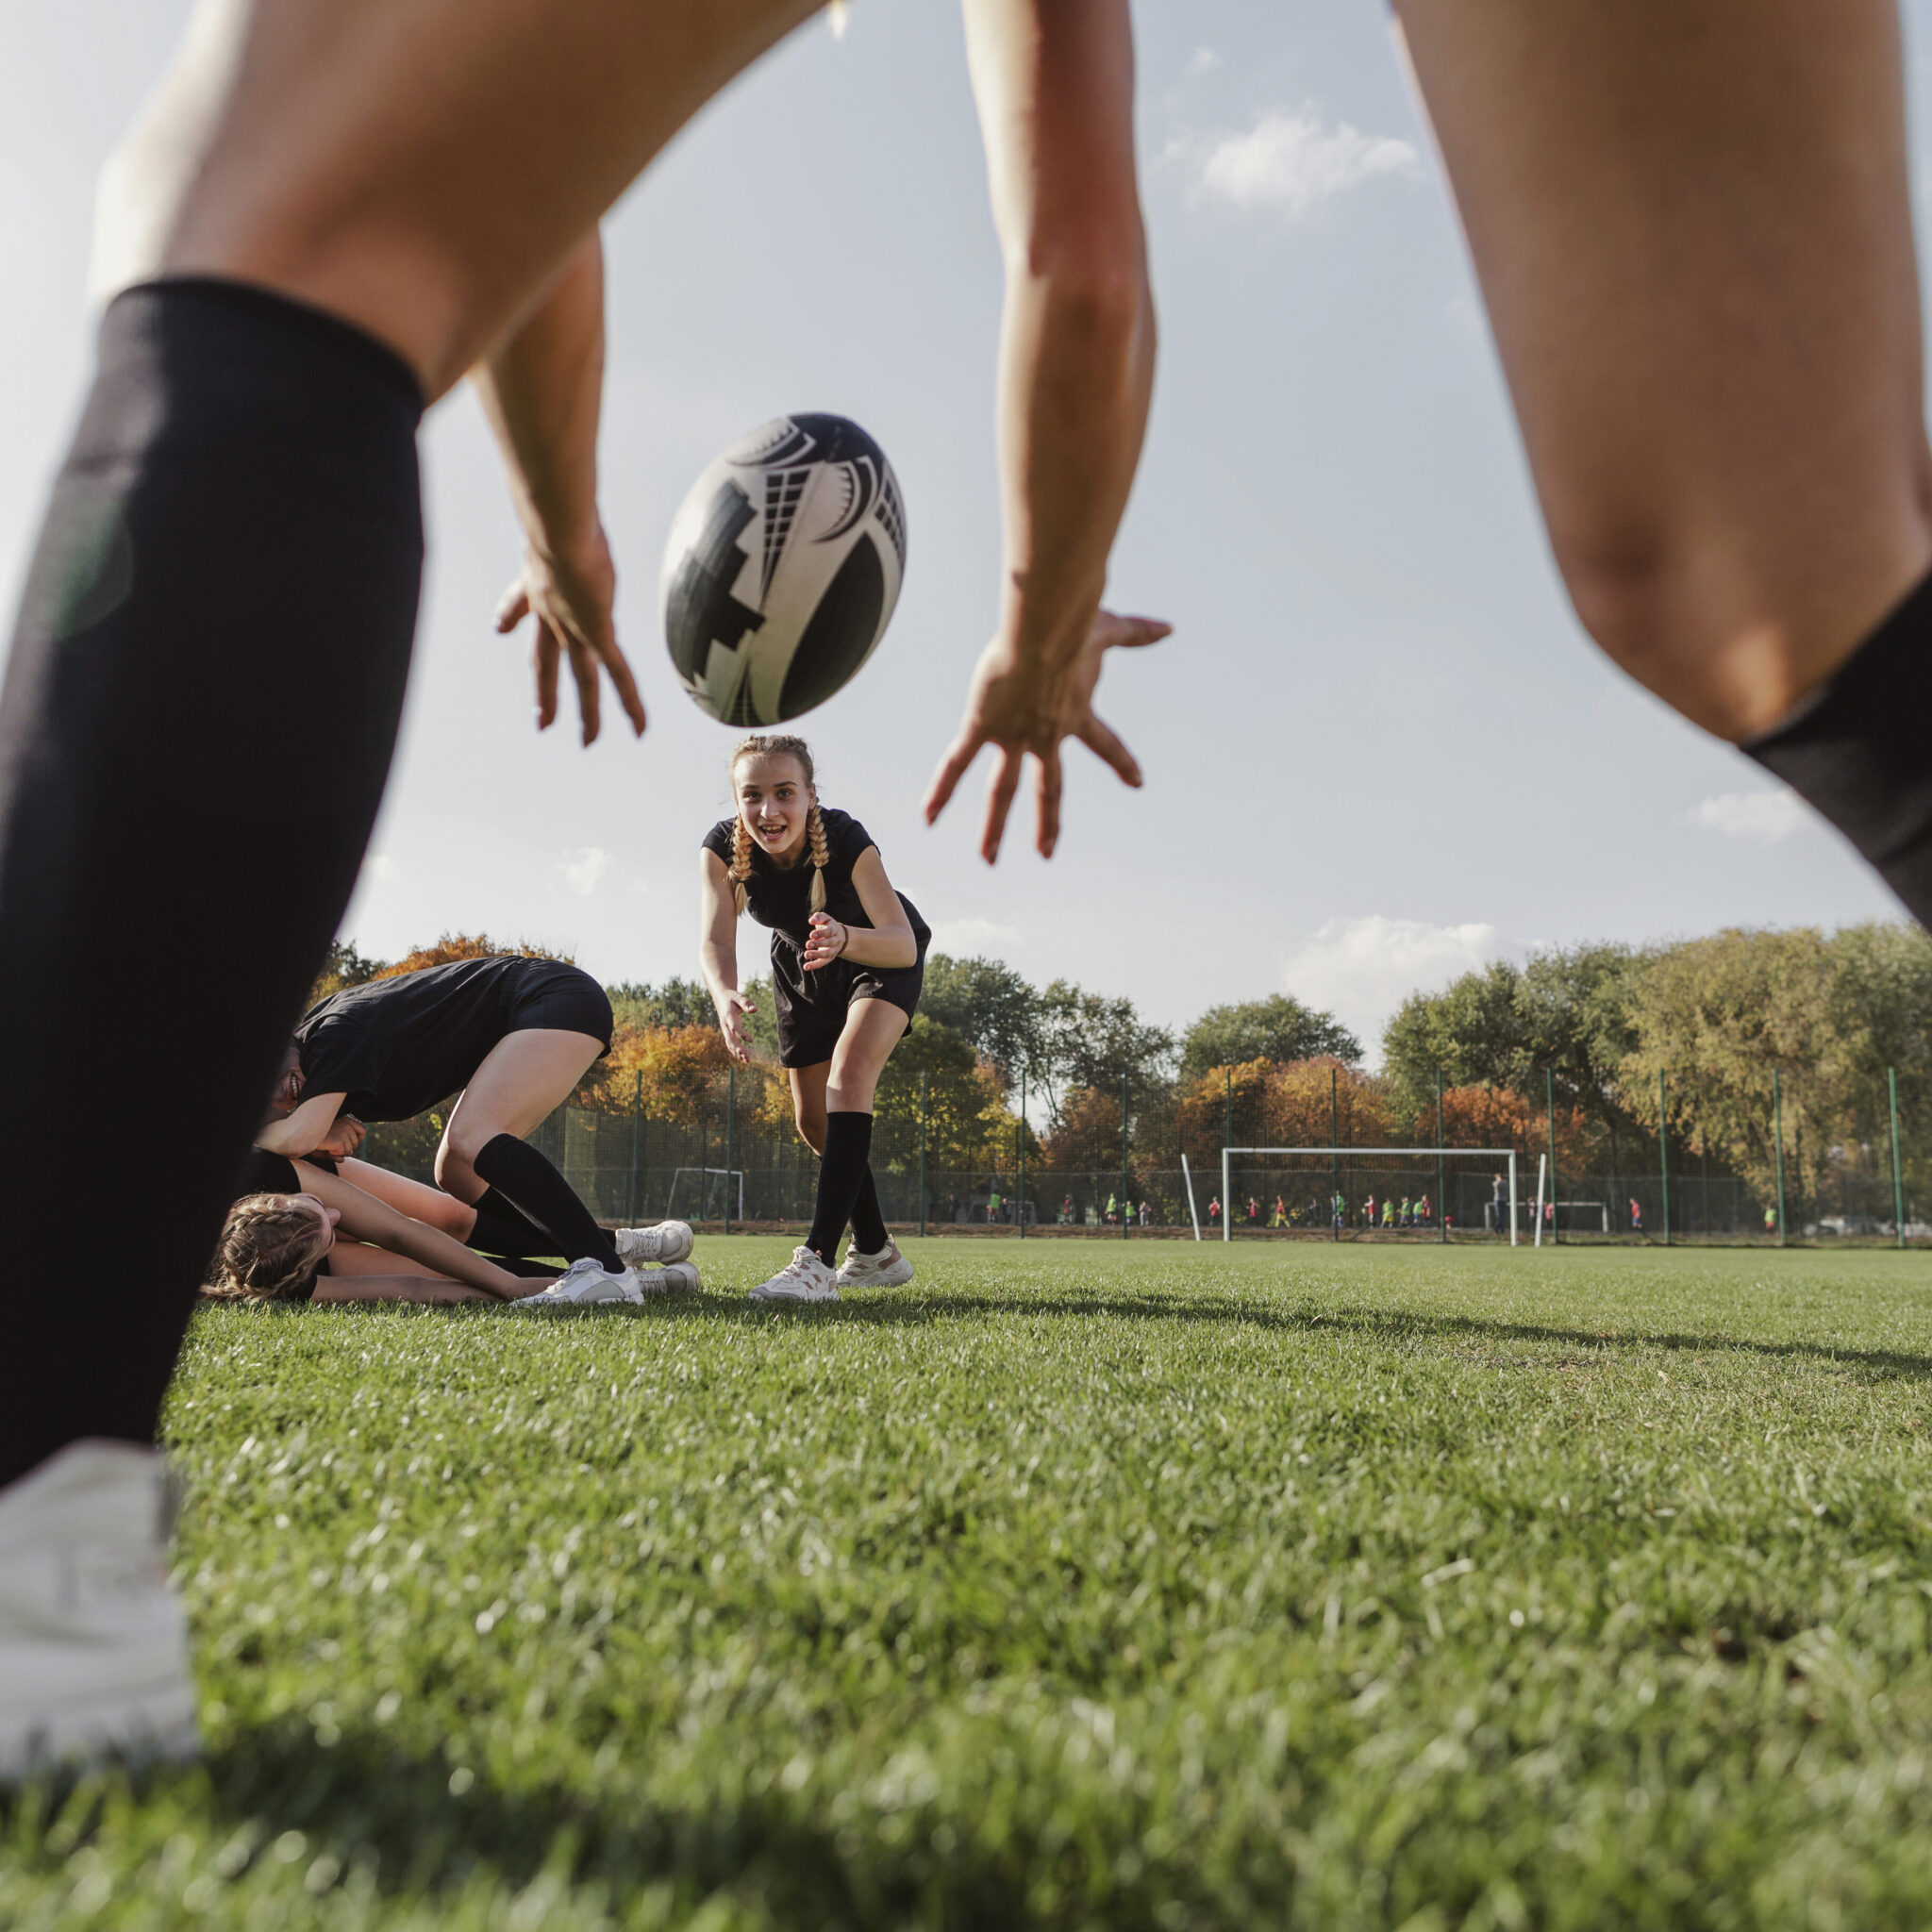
pixel 1438 1153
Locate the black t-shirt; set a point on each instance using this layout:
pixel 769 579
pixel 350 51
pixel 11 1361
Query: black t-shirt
pixel 781 899
pixel 398 1047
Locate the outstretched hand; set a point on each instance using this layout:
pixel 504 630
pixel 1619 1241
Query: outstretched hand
pixel 1019 708
pixel 732 1007
pixel 571 599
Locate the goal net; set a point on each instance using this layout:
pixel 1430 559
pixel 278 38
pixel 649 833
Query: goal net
pixel 1360 1190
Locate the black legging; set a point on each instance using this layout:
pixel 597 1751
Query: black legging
pixel 220 607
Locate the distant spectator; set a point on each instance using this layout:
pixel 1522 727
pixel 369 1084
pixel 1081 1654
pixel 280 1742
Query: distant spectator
pixel 1143 1215
pixel 1635 1216
pixel 1254 1211
pixel 1770 1221
pixel 1281 1213
pixel 1422 1213
pixel 1499 1203
pixel 1215 1211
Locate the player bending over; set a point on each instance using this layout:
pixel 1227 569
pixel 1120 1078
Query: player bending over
pixel 848 954
pixel 512 1037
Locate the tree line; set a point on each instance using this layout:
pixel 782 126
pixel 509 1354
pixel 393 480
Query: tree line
pixel 1576 1037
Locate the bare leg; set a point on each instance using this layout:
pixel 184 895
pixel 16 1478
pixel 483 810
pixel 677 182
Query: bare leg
pixel 416 1199
pixel 872 1029
pixel 1692 229
pixel 524 1077
pixel 809 1103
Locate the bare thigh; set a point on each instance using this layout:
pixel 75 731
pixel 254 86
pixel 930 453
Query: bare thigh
pixel 872 1028
pixel 1692 229
pixel 416 1199
pixel 420 166
pixel 524 1078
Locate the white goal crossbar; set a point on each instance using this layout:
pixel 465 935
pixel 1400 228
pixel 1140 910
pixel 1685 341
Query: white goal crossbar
pixel 1338 1154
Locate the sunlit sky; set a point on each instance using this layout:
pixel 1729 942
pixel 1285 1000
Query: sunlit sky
pixel 1378 748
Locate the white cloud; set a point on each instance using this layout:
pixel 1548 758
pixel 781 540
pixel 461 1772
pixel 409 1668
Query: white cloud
pixel 583 870
pixel 1362 970
pixel 1289 162
pixel 1765 816
pixel 970 938
pixel 379 866
pixel 1203 61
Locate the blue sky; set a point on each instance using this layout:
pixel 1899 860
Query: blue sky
pixel 1378 748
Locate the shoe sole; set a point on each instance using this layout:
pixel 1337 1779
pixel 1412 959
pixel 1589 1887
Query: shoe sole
pixel 533 1303
pixel 153 1724
pixel 758 1294
pixel 661 1260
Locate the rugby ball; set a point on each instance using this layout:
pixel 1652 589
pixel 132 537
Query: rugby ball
pixel 782 569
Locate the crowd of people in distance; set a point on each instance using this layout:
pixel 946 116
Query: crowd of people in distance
pixel 1371 1213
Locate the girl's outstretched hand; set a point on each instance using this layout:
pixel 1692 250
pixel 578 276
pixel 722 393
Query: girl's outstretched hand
pixel 825 944
pixel 1019 707
pixel 732 1007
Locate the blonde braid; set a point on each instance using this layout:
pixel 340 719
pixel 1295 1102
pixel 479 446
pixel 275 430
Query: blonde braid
pixel 738 872
pixel 820 858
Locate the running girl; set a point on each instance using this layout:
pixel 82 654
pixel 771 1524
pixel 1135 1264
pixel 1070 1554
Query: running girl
pixel 849 956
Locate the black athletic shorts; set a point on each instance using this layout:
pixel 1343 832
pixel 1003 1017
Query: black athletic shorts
pixel 271 1173
pixel 811 1006
pixel 561 998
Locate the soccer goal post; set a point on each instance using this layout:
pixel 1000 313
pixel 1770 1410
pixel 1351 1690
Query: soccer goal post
pixel 704 1174
pixel 1339 1205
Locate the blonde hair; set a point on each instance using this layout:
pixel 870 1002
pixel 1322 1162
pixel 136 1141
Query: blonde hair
pixel 270 1251
pixel 773 744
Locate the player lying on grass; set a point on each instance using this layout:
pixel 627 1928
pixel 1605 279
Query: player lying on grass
pixel 292 1248
pixel 849 956
pixel 510 1037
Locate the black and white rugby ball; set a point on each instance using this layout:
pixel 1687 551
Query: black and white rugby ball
pixel 782 569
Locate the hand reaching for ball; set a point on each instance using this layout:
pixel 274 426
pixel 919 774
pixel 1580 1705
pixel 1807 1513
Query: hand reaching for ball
pixel 1020 706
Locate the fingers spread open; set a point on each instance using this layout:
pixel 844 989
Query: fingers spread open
pixel 1048 793
pixel 1100 739
pixel 512 607
pixel 999 802
pixel 619 667
pixel 545 657
pixel 959 755
pixel 583 667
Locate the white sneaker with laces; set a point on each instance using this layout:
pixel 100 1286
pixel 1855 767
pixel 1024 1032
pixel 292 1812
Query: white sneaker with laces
pixel 585 1284
pixel 668 1241
pixel 94 1641
pixel 675 1278
pixel 888 1268
pixel 804 1278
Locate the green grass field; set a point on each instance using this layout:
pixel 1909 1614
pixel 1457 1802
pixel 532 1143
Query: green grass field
pixel 1080 1584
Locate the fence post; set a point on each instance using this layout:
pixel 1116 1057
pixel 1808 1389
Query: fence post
pixel 1335 1158
pixel 1123 1153
pixel 1020 1163
pixel 923 1080
pixel 1556 1217
pixel 1442 1169
pixel 1898 1173
pixel 1777 1115
pixel 637 1115
pixel 730 1138
pixel 1663 1151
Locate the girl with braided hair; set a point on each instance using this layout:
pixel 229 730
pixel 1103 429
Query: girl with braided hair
pixel 848 955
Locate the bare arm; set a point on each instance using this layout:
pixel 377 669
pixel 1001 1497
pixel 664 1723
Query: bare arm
pixel 1054 80
pixel 400 1287
pixel 366 1218
pixel 718 951
pixel 303 1130
pixel 888 942
pixel 541 392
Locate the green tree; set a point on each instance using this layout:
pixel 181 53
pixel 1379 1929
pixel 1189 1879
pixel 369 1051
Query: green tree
pixel 989 1005
pixel 966 1109
pixel 1277 1029
pixel 1090 1040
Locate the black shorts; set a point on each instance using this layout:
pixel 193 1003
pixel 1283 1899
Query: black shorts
pixel 811 1006
pixel 270 1174
pixel 559 998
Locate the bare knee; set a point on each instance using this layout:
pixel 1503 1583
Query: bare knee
pixel 455 1174
pixel 850 1093
pixel 811 1125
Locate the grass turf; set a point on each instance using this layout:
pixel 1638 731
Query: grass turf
pixel 1078 1584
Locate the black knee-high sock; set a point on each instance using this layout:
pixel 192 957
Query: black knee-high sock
pixel 1859 751
pixel 228 568
pixel 868 1222
pixel 841 1172
pixel 533 1184
pixel 503 1228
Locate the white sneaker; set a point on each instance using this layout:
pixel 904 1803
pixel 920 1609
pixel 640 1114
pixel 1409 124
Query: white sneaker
pixel 677 1277
pixel 670 1241
pixel 888 1268
pixel 94 1641
pixel 585 1284
pixel 804 1278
